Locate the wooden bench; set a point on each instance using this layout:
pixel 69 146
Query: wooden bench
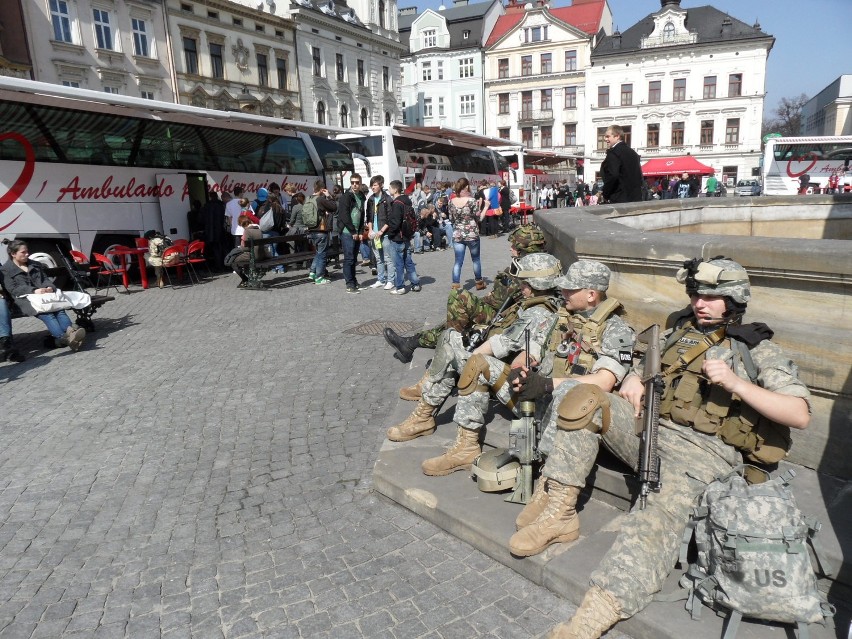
pixel 257 268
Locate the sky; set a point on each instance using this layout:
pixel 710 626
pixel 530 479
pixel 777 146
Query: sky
pixel 811 37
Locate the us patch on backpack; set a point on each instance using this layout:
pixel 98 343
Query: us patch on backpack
pixel 753 559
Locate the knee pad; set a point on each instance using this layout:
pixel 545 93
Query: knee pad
pixel 469 379
pixel 577 409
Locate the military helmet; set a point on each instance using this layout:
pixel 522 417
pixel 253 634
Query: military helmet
pixel 495 470
pixel 528 239
pixel 716 276
pixel 539 270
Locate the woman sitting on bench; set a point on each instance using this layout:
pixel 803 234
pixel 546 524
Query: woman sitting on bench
pixel 251 231
pixel 22 276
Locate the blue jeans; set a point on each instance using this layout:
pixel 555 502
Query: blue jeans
pixel 403 263
pixel 418 241
pixel 448 232
pixel 320 242
pixel 385 269
pixel 57 323
pixel 5 319
pixel 459 248
pixel 350 249
pixel 364 247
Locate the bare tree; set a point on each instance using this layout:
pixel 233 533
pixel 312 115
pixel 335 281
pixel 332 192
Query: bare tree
pixel 787 116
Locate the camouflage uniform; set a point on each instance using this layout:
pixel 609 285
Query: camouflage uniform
pixel 464 309
pixel 647 544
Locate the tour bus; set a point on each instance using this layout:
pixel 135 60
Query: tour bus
pixel 88 170
pixel 787 159
pixel 428 155
pixel 530 169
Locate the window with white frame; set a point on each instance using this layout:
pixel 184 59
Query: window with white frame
pixel 60 17
pixel 141 45
pixel 467 104
pixel 440 106
pixel 430 38
pixel 427 107
pixel 571 60
pixel 112 90
pixel 147 95
pixel 427 71
pixel 103 29
pixel 70 83
pixel 535 34
pixel 440 70
pixel 466 68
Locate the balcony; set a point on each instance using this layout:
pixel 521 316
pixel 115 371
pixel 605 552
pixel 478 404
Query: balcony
pixel 532 116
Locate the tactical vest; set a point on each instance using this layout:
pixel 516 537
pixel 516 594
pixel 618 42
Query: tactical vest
pixel 691 400
pixel 578 340
pixel 510 316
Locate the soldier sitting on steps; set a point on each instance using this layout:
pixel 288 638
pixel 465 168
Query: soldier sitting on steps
pixel 536 274
pixel 464 309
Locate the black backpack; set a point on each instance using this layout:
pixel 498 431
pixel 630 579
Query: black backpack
pixel 409 220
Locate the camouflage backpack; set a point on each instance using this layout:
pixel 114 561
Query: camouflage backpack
pixel 753 558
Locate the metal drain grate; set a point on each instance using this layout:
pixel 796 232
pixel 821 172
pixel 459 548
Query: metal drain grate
pixel 375 327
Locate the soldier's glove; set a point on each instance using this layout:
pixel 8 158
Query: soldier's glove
pixel 530 385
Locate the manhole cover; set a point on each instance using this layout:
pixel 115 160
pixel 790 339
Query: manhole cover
pixel 375 327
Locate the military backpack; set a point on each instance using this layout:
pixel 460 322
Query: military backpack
pixel 753 558
pixel 310 212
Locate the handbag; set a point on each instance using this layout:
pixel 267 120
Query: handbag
pixel 58 300
pixel 267 222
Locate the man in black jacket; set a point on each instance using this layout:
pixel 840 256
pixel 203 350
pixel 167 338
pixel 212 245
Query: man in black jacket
pixel 621 169
pixel 350 219
pixel 399 242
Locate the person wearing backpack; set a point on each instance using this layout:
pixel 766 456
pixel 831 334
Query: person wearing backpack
pixel 351 214
pixel 314 214
pixel 402 224
pixel 729 394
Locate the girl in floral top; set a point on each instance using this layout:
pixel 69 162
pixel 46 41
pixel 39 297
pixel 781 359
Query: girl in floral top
pixel 465 217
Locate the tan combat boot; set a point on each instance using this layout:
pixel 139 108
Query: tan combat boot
pixel 458 457
pixel 598 613
pixel 557 523
pixel 413 393
pixel 536 505
pixel 421 422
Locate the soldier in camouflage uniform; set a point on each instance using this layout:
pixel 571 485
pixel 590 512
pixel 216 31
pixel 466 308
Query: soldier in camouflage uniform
pixel 451 356
pixel 464 309
pixel 729 392
pixel 596 350
pixel 484 371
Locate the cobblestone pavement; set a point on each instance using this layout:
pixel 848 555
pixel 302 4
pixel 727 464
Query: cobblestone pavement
pixel 202 468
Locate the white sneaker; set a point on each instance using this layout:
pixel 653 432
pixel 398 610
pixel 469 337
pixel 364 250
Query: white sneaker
pixel 377 284
pixel 389 286
pixel 398 291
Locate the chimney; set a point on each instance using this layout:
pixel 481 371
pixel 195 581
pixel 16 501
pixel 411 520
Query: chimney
pixel 460 3
pixel 616 39
pixel 408 11
pixel 726 26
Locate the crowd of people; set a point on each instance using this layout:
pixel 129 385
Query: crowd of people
pixel 730 395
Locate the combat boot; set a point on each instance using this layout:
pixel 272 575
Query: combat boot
pixel 404 346
pixel 558 522
pixel 413 393
pixel 8 352
pixel 598 613
pixel 458 457
pixel 536 505
pixel 420 423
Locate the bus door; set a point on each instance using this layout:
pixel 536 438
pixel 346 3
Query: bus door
pixel 177 192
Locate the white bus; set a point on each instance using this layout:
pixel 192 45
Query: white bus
pixel 428 155
pixel 530 169
pixel 786 160
pixel 88 170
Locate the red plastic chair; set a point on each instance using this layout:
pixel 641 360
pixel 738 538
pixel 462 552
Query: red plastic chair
pixel 84 269
pixel 195 255
pixel 141 242
pixel 175 257
pixel 107 267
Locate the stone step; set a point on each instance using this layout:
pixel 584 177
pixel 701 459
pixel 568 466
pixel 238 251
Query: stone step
pixel 486 521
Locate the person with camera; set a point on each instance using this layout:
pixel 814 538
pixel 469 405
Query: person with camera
pixel 318 232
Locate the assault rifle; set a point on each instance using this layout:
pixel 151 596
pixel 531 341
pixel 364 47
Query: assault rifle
pixel 476 336
pixel 523 441
pixel 648 424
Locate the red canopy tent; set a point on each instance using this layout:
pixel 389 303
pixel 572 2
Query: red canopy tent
pixel 675 166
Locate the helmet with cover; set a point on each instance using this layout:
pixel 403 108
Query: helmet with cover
pixel 717 276
pixel 495 470
pixel 528 239
pixel 539 270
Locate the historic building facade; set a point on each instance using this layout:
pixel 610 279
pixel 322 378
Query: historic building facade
pixel 117 46
pixel 441 78
pixel 348 61
pixel 536 60
pixel 829 112
pixel 681 82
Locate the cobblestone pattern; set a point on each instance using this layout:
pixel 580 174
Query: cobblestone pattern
pixel 202 468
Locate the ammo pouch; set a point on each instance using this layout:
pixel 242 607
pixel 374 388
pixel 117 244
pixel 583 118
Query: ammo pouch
pixel 759 439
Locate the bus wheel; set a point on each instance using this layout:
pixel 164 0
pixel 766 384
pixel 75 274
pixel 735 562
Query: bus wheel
pixel 47 253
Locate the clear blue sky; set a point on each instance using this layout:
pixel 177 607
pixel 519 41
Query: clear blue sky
pixel 811 36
